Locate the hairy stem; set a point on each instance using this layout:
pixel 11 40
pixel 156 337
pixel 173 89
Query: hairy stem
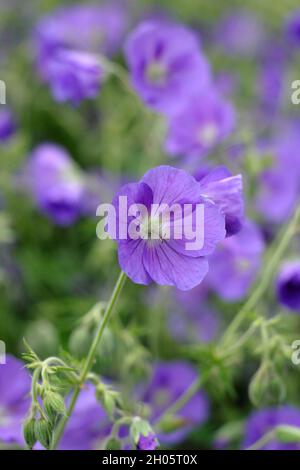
pixel 90 359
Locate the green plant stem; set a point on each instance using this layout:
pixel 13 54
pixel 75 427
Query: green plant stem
pixel 90 359
pixel 274 257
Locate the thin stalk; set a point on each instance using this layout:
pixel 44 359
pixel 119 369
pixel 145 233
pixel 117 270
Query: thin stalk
pixel 90 359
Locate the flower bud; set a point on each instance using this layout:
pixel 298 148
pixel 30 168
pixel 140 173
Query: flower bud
pixel 29 432
pixel 287 434
pixel 43 431
pixel 54 404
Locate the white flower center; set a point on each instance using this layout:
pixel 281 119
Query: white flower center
pixel 157 73
pixel 208 134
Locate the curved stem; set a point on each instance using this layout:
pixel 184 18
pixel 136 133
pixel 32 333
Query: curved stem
pixel 90 359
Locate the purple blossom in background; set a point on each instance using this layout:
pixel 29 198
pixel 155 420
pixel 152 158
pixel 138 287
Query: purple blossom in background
pixel 236 262
pixel 205 121
pixel 90 28
pixel 148 442
pixel 168 382
pixel 74 76
pixel 56 183
pixel 263 421
pixel 191 318
pixel 15 385
pixel 226 191
pixel 7 125
pixel 279 187
pixel 288 285
pixel 88 425
pixel 166 64
pixel 239 33
pixel 167 261
pixel 292 28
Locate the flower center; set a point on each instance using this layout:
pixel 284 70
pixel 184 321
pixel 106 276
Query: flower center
pixel 157 73
pixel 208 134
pixel 4 419
pixel 151 228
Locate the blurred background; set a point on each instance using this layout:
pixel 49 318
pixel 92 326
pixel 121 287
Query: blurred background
pixel 53 271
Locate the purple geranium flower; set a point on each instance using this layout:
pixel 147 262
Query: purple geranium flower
pixel 148 442
pixel 15 385
pixel 236 262
pixel 89 28
pixel 205 120
pixel 156 254
pixel 263 421
pixel 7 125
pixel 74 76
pixel 166 64
pixel 168 383
pixel 88 425
pixel 292 28
pixel 226 191
pixel 56 183
pixel 240 33
pixel 288 285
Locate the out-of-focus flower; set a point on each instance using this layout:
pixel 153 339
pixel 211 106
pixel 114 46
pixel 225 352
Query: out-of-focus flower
pixel 205 120
pixel 56 183
pixel 288 285
pixel 236 262
pixel 239 33
pixel 148 442
pixel 15 385
pixel 156 254
pixel 90 28
pixel 168 383
pixel 292 28
pixel 226 191
pixel 74 76
pixel 88 425
pixel 7 125
pixel 166 64
pixel 263 421
pixel 279 187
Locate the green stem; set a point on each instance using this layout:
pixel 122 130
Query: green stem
pixel 90 359
pixel 265 278
pixel 265 439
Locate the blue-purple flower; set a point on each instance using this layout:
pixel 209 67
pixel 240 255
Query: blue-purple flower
pixel 156 253
pixel 225 190
pixel 14 400
pixel 167 384
pixel 166 64
pixel 292 28
pixel 74 76
pixel 239 33
pixel 148 442
pixel 236 262
pixel 56 183
pixel 288 285
pixel 204 121
pixel 263 421
pixel 7 125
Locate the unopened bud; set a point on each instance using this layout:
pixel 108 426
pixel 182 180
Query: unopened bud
pixel 29 432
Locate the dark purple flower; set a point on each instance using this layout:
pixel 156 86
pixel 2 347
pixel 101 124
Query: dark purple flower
pixel 15 385
pixel 148 442
pixel 292 28
pixel 226 191
pixel 74 76
pixel 288 285
pixel 263 421
pixel 88 425
pixel 168 383
pixel 56 183
pixel 157 254
pixel 236 262
pixel 166 64
pixel 205 120
pixel 239 33
pixel 7 125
